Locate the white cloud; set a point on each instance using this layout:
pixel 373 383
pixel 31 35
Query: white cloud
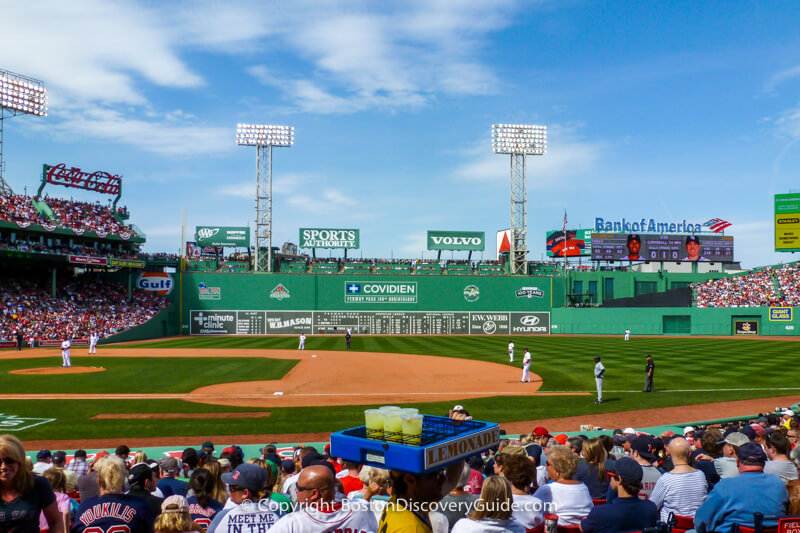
pixel 566 156
pixel 329 201
pixel 163 137
pixel 787 124
pixel 413 243
pixel 782 76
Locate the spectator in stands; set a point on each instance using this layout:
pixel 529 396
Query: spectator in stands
pixel 169 484
pixel 592 472
pixel 734 500
pixel 78 463
pixel 521 473
pixel 568 495
pixel 493 510
pixel 247 484
pixel 643 452
pixel 202 507
pixel 627 512
pixel 271 470
pixel 681 490
pixel 458 502
pixel 88 486
pixel 777 448
pixel 175 517
pixel 349 477
pixel 44 460
pixel 70 477
pixel 143 480
pixel 111 480
pixel 319 512
pixel 219 491
pixel 58 482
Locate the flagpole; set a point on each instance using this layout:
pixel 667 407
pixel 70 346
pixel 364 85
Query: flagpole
pixel 566 240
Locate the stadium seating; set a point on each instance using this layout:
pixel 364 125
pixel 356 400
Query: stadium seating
pixel 428 268
pixel 293 267
pixel 392 267
pixel 459 269
pixel 357 267
pixel 324 267
pixel 493 268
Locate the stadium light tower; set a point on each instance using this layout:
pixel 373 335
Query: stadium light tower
pixel 19 95
pixel 519 140
pixel 264 137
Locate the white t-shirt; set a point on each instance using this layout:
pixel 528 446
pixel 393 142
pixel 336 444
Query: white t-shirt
pixel 262 514
pixel 528 510
pixel 467 525
pixel 339 519
pixel 289 486
pixel 573 501
pixel 783 469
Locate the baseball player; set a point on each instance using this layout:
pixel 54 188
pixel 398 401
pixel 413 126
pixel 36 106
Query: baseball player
pixel 511 351
pixel 65 345
pixel 347 337
pixel 526 367
pixel 599 370
pixel 627 334
pixel 649 370
pixel 93 338
pixel 302 345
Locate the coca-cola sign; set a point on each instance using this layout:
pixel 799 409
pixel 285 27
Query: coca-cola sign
pixel 99 181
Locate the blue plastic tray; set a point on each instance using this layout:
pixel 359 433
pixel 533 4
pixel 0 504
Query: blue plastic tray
pixel 442 443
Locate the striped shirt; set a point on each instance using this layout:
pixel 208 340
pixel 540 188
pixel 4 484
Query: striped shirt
pixel 681 494
pixel 79 467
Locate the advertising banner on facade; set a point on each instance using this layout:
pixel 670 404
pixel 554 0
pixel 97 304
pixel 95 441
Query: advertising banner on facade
pixel 231 236
pixel 329 238
pixel 457 240
pixel 643 247
pixel 746 327
pixel 787 222
pixel 578 243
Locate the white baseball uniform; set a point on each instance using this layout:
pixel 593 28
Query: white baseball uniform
pixel 599 370
pixel 65 353
pixel 356 517
pixel 526 367
pixel 510 351
pixel 93 338
pixel 302 342
pixel 627 334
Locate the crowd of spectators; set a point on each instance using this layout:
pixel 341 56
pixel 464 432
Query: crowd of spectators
pixel 82 216
pixel 710 478
pixel 789 283
pixel 64 249
pixel 81 306
pixel 755 289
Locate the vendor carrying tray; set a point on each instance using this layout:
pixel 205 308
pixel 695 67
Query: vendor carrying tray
pixel 442 443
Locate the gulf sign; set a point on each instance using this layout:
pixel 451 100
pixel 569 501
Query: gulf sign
pixel 160 283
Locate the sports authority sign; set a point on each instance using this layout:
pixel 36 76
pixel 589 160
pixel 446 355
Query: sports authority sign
pixel 329 238
pixel 456 240
pixel 238 236
pixel 383 292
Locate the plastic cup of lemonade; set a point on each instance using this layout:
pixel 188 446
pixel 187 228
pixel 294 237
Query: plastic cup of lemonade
pixel 412 428
pixel 393 423
pixel 374 422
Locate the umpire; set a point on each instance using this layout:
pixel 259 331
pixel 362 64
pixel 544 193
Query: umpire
pixel 649 369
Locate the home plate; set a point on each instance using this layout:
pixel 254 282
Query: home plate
pixel 276 393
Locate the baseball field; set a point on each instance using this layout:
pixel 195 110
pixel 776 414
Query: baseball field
pixel 258 388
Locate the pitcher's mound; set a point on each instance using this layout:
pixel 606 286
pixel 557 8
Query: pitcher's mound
pixel 59 370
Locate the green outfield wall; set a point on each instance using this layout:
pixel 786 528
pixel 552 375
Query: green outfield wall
pixel 753 321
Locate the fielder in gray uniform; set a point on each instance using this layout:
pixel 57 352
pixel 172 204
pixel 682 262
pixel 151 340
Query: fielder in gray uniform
pixel 599 370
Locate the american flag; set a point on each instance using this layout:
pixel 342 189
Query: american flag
pixel 717 225
pixel 564 230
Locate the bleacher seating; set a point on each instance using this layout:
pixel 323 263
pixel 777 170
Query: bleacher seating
pixel 428 268
pixel 459 269
pixel 208 265
pixel 293 267
pixel 490 269
pixel 393 267
pixel 325 267
pixel 357 267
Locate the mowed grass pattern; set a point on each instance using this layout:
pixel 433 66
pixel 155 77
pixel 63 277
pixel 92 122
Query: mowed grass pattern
pixel 688 371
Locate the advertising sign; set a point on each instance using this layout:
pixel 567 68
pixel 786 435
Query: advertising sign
pixel 213 322
pixel 639 247
pixel 579 243
pixel 160 283
pixel 503 242
pixel 204 292
pixel 787 222
pixel 745 327
pixel 99 181
pixel 359 292
pixel 530 323
pixel 129 263
pixel 780 314
pixel 457 240
pixel 329 238
pixel 87 260
pixel 231 236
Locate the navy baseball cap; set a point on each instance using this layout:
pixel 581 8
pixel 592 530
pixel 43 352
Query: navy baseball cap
pixel 629 470
pixel 80 453
pixel 634 237
pixel 59 456
pixel 209 445
pixel 751 453
pixel 248 476
pixel 43 454
pixel 596 357
pixel 643 444
pixel 749 432
pixel 692 238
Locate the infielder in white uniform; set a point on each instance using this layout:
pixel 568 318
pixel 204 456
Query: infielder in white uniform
pixel 526 367
pixel 511 351
pixel 627 334
pixel 302 342
pixel 65 362
pixel 320 513
pixel 93 338
pixel 599 370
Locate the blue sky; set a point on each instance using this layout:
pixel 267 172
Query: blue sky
pixel 672 111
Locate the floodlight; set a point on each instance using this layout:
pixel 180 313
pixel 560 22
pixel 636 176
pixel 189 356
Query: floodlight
pixel 519 139
pixel 264 135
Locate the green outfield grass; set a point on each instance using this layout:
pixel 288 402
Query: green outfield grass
pixel 688 371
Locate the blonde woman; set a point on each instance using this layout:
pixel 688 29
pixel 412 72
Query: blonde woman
pixel 593 472
pixel 175 517
pixel 134 513
pixel 493 510
pixel 140 457
pixel 24 495
pixel 567 494
pixel 219 491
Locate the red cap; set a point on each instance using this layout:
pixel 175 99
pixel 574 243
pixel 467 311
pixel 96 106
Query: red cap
pixel 539 431
pixel 229 449
pixel 562 439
